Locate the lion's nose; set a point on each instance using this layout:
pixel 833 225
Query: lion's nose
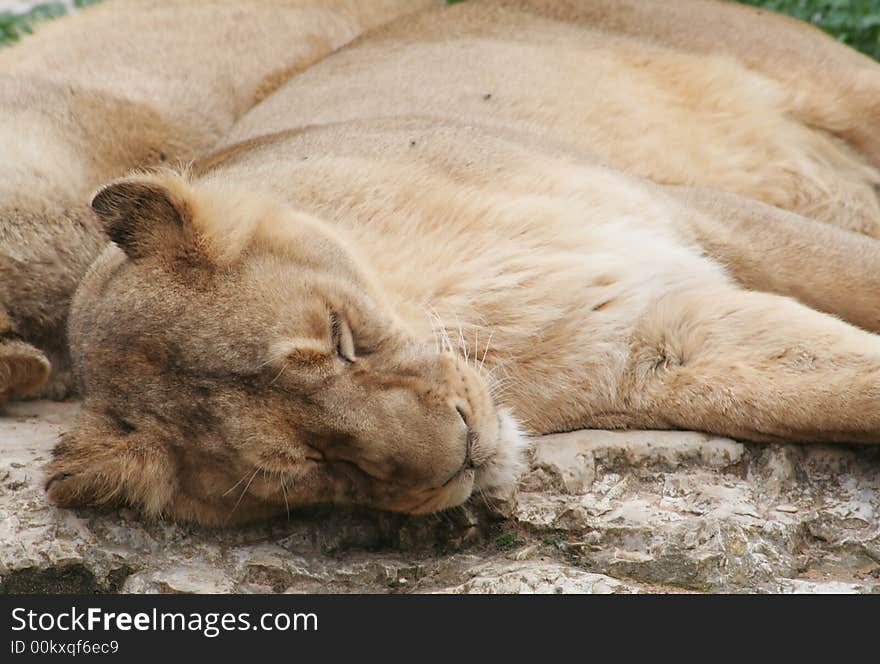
pixel 471 437
pixel 468 456
pixel 462 415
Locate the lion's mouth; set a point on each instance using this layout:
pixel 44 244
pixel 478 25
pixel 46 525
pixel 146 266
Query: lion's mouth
pixel 456 491
pixel 484 469
pixel 469 465
pixel 460 473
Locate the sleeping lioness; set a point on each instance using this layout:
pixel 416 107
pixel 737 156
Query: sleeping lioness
pixel 426 247
pixel 121 85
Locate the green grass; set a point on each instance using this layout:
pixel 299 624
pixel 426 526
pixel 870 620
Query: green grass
pixel 507 540
pixel 13 26
pixel 854 22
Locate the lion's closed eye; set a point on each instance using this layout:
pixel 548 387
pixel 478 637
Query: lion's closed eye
pixel 342 338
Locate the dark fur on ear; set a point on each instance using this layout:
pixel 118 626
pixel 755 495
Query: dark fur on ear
pixel 102 463
pixel 141 214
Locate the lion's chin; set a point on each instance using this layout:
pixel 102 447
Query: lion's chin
pixel 456 492
pixel 500 472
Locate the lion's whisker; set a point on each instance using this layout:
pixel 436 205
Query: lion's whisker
pixel 486 353
pixel 232 488
pixel 273 357
pixel 284 493
pixel 272 382
pixel 462 344
pixel 444 333
pixel 476 344
pixel 433 330
pixel 245 490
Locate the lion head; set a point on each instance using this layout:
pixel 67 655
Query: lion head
pixel 238 359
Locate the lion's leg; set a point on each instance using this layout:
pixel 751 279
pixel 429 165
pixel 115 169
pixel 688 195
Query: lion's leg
pixel 753 366
pixel 771 250
pixel 42 258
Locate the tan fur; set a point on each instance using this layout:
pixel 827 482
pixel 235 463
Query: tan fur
pixel 124 84
pixel 663 108
pixel 829 87
pixel 349 312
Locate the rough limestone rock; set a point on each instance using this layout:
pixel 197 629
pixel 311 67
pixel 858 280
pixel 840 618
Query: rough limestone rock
pixel 598 512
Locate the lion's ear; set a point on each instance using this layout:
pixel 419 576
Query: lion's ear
pixel 143 214
pixel 103 460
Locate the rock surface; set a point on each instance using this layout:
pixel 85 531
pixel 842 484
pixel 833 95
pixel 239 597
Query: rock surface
pixel 598 512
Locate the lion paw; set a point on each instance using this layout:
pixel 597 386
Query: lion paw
pixel 23 369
